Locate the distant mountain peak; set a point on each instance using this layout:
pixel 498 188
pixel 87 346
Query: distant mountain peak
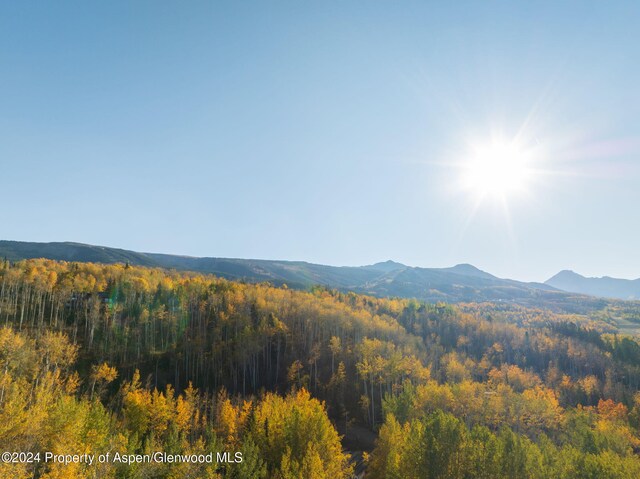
pixel 565 273
pixel 569 271
pixel 387 266
pixel 467 269
pixel 604 286
pixel 389 262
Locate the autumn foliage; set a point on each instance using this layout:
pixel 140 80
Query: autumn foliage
pixel 97 358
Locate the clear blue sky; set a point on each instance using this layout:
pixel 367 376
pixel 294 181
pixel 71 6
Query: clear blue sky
pixel 322 131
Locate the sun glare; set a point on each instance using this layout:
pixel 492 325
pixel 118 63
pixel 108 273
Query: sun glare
pixel 497 170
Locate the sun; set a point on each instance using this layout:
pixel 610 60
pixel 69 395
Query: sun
pixel 497 170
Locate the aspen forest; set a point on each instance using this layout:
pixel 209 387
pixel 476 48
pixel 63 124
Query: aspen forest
pixel 117 358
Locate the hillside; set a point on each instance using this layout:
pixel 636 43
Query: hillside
pixel 128 359
pixel 68 251
pixel 461 283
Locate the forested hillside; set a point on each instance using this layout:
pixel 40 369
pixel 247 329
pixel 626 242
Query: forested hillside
pixel 130 359
pixel 463 282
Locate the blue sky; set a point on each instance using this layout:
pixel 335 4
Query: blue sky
pixel 324 131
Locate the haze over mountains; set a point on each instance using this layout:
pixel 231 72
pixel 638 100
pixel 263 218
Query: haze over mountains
pixel 459 283
pixel 606 287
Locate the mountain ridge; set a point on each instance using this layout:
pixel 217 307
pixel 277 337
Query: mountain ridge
pixel 459 283
pixel 603 286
